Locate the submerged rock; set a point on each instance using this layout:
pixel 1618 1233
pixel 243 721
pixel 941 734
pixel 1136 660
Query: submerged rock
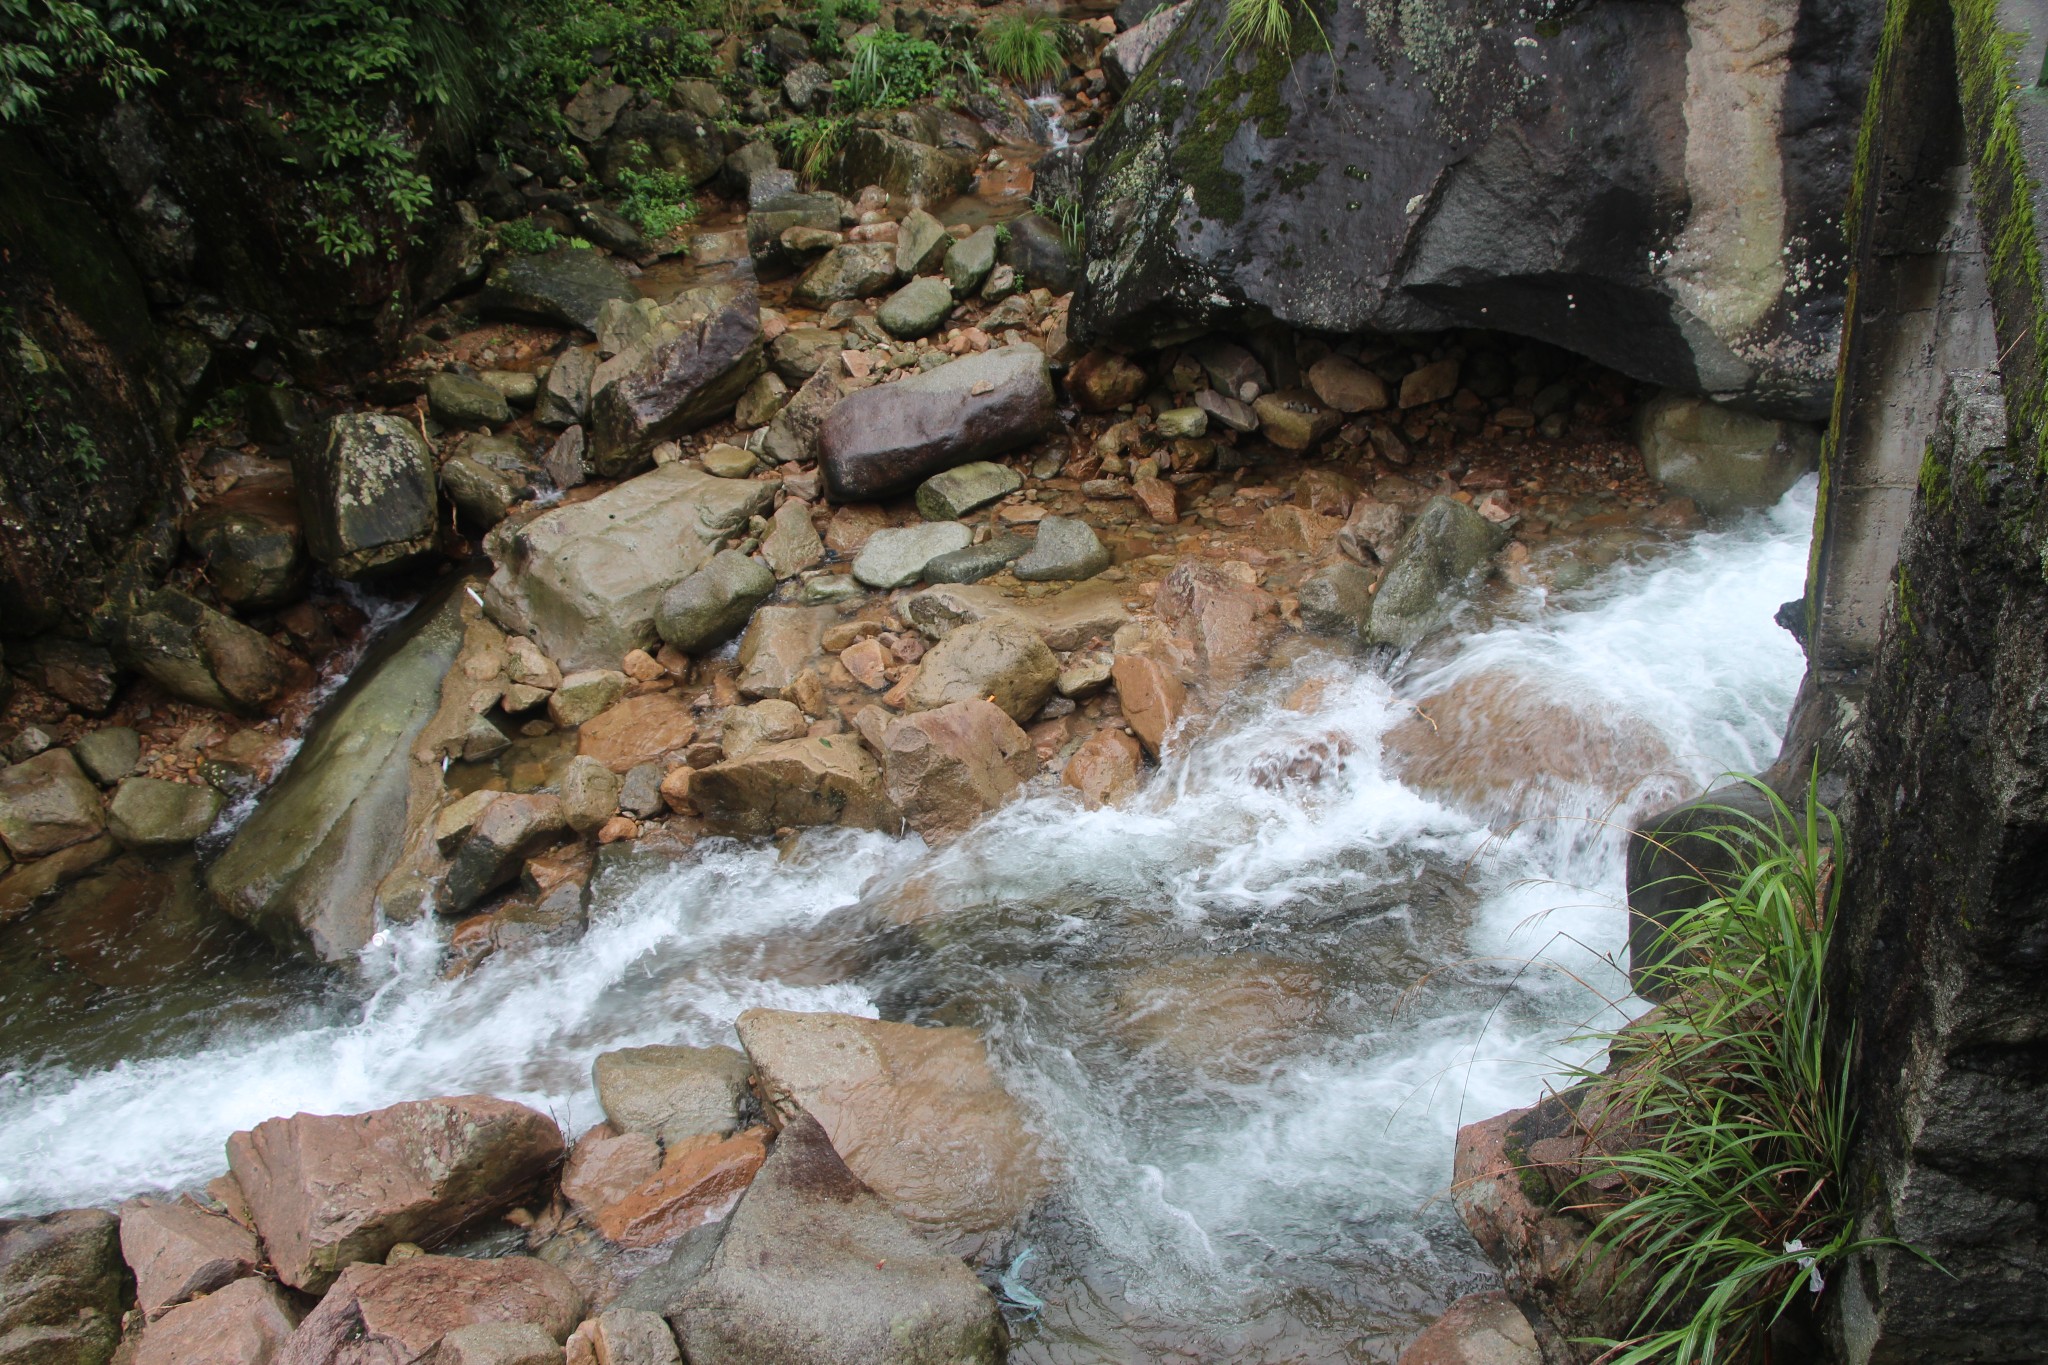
pixel 814 1269
pixel 367 490
pixel 916 1113
pixel 1233 1015
pixel 1724 460
pixel 584 581
pixel 882 440
pixel 327 1192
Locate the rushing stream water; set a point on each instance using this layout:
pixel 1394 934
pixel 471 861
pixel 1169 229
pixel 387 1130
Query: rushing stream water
pixel 1276 1198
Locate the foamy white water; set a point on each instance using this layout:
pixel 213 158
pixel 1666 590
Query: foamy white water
pixel 1196 1208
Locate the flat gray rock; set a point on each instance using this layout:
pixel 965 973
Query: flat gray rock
pixel 952 493
pixel 1067 549
pixel 896 557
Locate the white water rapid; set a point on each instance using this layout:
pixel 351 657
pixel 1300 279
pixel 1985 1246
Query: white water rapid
pixel 1288 1210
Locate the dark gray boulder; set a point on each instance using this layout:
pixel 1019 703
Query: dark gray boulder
pixel 366 487
pixel 683 381
pixel 1442 553
pixel 198 654
pixel 815 1269
pixel 566 287
pixel 1038 252
pixel 1648 185
pixel 908 169
pixel 252 545
pixel 884 439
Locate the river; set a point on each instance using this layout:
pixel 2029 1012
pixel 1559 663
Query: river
pixel 1224 1198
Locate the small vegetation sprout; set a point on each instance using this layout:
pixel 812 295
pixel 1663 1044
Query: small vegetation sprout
pixel 1024 48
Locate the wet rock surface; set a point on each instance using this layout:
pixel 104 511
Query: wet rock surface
pixel 882 440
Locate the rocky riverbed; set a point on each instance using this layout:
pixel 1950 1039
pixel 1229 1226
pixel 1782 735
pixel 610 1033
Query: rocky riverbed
pixel 753 800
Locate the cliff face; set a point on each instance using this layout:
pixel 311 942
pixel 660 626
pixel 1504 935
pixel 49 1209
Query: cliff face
pixel 1657 186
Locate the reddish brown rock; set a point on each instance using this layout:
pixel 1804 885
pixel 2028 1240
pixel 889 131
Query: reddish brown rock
pixel 246 1323
pixel 1372 532
pixel 916 1113
pixel 608 1165
pixel 1479 1329
pixel 1226 624
pixel 946 767
pixel 1104 769
pixel 868 662
pixel 1103 380
pixel 829 780
pixel 851 526
pixel 1153 700
pixel 1159 498
pixel 397 1314
pixel 654 728
pixel 327 1191
pixel 178 1251
pixel 698 1182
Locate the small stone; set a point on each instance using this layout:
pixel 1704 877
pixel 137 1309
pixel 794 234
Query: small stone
pixel 455 400
pixel 977 562
pixel 729 461
pixel 1346 385
pixel 1160 499
pixel 672 1093
pixel 524 663
pixel 916 309
pixel 828 589
pixel 953 493
pixel 649 728
pixel 498 1343
pixel 1102 381
pixel 640 666
pixel 969 261
pixel 47 804
pixel 792 543
pixel 1337 599
pixel 108 755
pixel 563 463
pixel 590 793
pixel 1238 416
pixel 1179 422
pixel 868 662
pixel 894 558
pixel 617 829
pixel 1066 549
pixel 626 1336
pixel 585 695
pixel 1084 675
pixel 640 793
pixel 1104 770
pixel 921 242
pixel 675 792
pixel 699 1179
pixel 763 399
pixel 1295 419
pixel 1431 384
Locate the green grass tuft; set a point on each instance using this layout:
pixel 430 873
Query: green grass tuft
pixel 1024 49
pixel 1724 1118
pixel 1269 24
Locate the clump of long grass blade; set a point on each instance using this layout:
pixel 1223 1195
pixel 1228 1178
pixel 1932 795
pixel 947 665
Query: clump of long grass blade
pixel 1024 48
pixel 1269 24
pixel 1715 1155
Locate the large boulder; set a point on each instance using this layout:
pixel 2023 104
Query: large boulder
pixel 60 1289
pixel 567 287
pixel 584 581
pixel 814 1269
pixel 909 170
pixel 829 780
pixel 328 1191
pixel 713 604
pixel 1487 1328
pixel 366 487
pixel 247 1323
pixel 391 1313
pixel 511 829
pixel 1724 460
pixel 198 654
pixel 1658 187
pixel 47 804
pixel 672 1093
pixel 1447 547
pixel 945 767
pixel 999 660
pixel 885 439
pixel 677 384
pixel 252 545
pixel 1223 623
pixel 306 868
pixel 917 1113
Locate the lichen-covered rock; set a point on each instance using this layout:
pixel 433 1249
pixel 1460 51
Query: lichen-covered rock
pixel 952 493
pixel 855 270
pixel 584 581
pixel 1656 187
pixel 367 491
pixel 327 1192
pixel 814 1269
pixel 60 1289
pixel 881 440
pixel 907 169
pixel 252 544
pixel 1447 546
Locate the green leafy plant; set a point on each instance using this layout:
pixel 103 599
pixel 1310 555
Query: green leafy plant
pixel 1024 48
pixel 1721 1141
pixel 891 70
pixel 657 202
pixel 811 144
pixel 43 42
pixel 647 43
pixel 825 15
pixel 527 237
